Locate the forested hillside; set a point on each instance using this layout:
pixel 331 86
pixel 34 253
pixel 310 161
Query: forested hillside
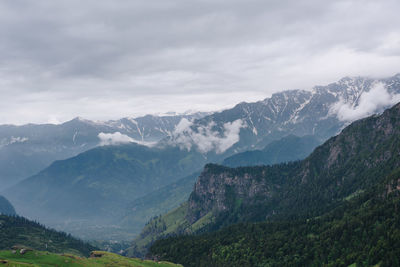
pixel 364 230
pixel 355 161
pixel 20 231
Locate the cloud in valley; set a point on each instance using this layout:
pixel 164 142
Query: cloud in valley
pixel 370 102
pixel 205 138
pixel 117 138
pixel 114 139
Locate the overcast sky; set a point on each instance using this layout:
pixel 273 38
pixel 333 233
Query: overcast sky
pixel 103 59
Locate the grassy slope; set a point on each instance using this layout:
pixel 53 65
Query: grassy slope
pixel 44 259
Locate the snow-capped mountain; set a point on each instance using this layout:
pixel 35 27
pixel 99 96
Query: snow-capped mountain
pixel 322 112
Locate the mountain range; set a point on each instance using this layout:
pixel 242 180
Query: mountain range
pixel 318 112
pixel 25 150
pixel 121 182
pixel 347 166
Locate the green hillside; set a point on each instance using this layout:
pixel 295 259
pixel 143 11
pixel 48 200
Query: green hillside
pixel 96 259
pixel 88 195
pixel 363 231
pixel 355 160
pixel 345 166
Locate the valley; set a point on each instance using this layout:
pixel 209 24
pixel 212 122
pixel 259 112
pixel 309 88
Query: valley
pixel 199 133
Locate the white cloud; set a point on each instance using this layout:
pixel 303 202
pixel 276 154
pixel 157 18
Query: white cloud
pixel 187 135
pixel 114 139
pixel 117 139
pixel 370 102
pixel 136 57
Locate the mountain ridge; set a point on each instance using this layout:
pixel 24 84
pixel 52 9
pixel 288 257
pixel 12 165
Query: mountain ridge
pixel 247 126
pixel 27 149
pixel 344 166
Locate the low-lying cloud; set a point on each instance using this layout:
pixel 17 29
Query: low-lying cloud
pixel 187 135
pixel 114 139
pixel 117 138
pixel 370 102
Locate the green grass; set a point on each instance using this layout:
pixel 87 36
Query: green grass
pixel 46 259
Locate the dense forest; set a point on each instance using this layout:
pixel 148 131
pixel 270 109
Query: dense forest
pixel 363 230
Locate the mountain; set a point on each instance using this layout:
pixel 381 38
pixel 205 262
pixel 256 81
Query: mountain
pixel 5 207
pixel 98 185
pixel 352 161
pixel 23 232
pixel 288 148
pixel 317 112
pixel 346 165
pixel 27 149
pixel 362 231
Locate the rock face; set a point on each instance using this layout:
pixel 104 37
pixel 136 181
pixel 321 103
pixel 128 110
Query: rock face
pixel 220 189
pixel 364 152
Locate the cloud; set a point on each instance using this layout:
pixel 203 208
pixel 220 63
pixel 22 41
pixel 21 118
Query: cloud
pixel 67 58
pixel 12 140
pixel 373 101
pixel 114 139
pixel 117 139
pixel 205 138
